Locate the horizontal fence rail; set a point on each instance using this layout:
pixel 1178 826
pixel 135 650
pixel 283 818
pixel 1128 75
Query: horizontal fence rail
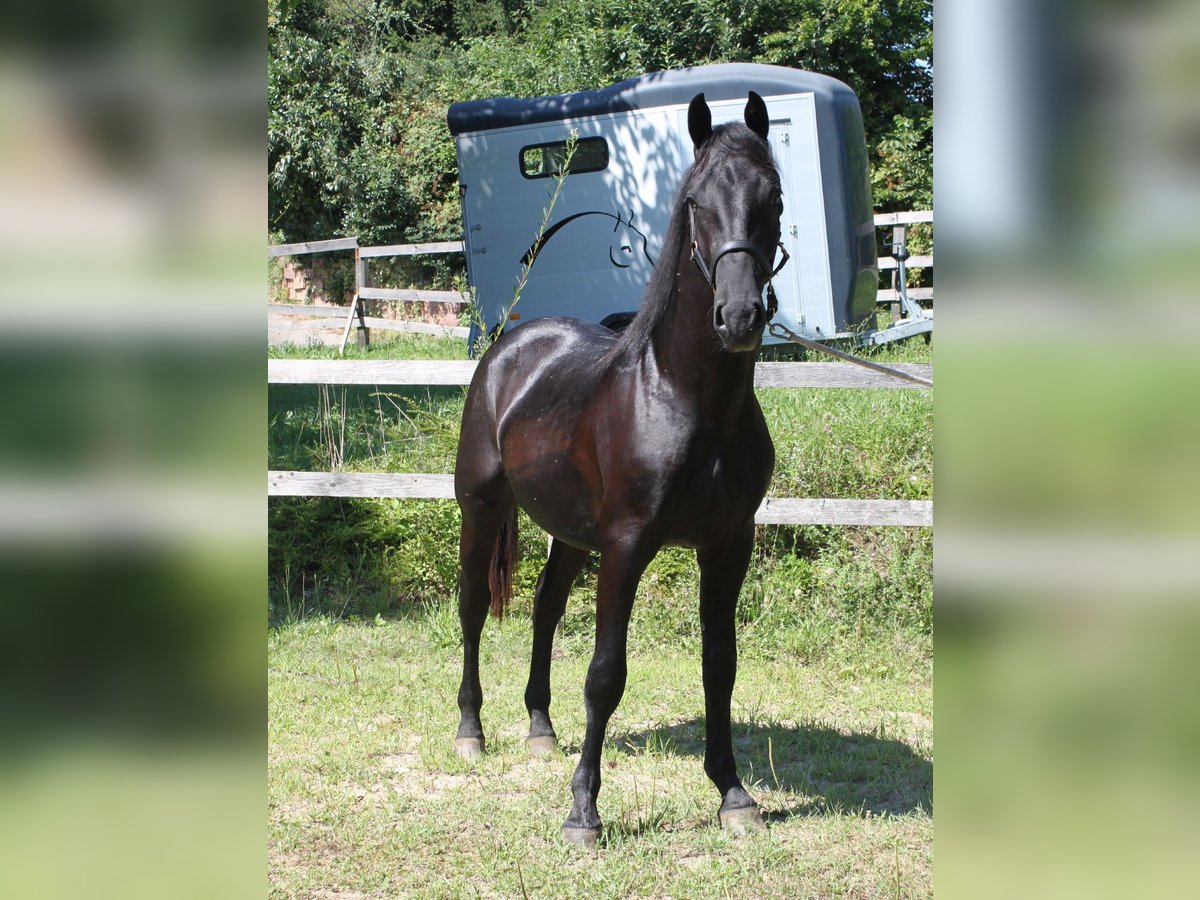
pixel 422 486
pixel 914 293
pixel 360 484
pixel 411 295
pixel 451 372
pixel 370 372
pixel 325 323
pixel 350 243
pixel 882 220
pixel 304 309
pixel 411 249
pixel 773 511
pixel 824 511
pixel 319 318
pixel 913 262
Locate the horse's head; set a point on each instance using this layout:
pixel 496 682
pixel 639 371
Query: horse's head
pixel 735 203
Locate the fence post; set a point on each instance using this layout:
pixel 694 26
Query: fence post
pixel 362 279
pixel 899 240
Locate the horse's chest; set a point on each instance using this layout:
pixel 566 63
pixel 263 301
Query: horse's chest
pixel 723 480
pixel 734 473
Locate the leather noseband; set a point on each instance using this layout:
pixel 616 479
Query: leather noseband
pixel 710 272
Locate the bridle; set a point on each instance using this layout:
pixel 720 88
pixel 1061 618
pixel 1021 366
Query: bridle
pixel 778 329
pixel 710 272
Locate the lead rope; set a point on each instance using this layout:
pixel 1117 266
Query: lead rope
pixel 772 305
pixel 784 333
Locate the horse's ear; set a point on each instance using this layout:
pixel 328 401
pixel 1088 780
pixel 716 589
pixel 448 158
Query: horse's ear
pixel 699 121
pixel 756 116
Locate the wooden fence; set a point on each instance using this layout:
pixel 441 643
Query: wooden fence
pixel 774 510
pixel 319 313
pixel 899 222
pixel 363 289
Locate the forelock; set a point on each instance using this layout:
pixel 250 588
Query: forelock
pixel 734 139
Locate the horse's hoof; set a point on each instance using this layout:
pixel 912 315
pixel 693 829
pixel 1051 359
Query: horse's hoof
pixel 541 745
pixel 469 748
pixel 742 820
pixel 581 837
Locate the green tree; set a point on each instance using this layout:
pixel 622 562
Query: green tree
pixel 358 89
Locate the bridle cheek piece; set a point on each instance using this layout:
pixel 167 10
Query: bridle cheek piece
pixel 710 272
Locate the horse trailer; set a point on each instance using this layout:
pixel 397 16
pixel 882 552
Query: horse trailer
pixel 631 149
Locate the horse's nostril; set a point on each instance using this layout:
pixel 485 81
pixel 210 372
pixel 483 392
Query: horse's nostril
pixel 718 319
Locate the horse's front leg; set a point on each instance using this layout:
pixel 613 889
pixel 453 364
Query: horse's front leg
pixel 722 570
pixel 621 565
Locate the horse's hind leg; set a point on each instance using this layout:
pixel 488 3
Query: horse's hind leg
pixel 550 599
pixel 481 523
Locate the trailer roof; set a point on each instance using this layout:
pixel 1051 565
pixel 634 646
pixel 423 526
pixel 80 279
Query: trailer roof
pixel 724 81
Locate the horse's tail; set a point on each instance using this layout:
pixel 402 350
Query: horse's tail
pixel 504 564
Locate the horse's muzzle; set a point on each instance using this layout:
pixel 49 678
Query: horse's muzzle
pixel 740 325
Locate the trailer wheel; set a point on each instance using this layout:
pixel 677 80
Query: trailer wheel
pixel 618 322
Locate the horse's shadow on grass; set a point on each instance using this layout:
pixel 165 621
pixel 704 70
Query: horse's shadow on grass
pixel 834 772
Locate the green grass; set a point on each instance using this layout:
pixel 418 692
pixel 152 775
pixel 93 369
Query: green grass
pixel 831 443
pixel 367 798
pixel 384 345
pixel 833 705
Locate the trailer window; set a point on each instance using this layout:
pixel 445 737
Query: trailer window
pixel 545 160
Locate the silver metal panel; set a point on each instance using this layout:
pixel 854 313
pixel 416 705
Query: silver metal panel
pixel 607 227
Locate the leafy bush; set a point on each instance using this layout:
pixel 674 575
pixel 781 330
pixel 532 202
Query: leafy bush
pixel 360 557
pixel 358 89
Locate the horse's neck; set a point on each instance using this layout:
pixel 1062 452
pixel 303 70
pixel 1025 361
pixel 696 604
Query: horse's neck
pixel 688 351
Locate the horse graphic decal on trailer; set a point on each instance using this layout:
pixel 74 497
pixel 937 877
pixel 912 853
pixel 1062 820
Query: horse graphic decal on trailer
pixel 627 244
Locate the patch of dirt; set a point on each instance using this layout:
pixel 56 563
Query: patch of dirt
pixel 297 811
pixel 401 763
pixel 411 779
pixel 318 853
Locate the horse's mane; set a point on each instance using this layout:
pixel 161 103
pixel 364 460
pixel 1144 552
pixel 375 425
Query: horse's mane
pixel 730 139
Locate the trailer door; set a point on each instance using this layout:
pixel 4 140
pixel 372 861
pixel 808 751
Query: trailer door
pixel 805 294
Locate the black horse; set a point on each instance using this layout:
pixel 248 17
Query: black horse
pixel 626 444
